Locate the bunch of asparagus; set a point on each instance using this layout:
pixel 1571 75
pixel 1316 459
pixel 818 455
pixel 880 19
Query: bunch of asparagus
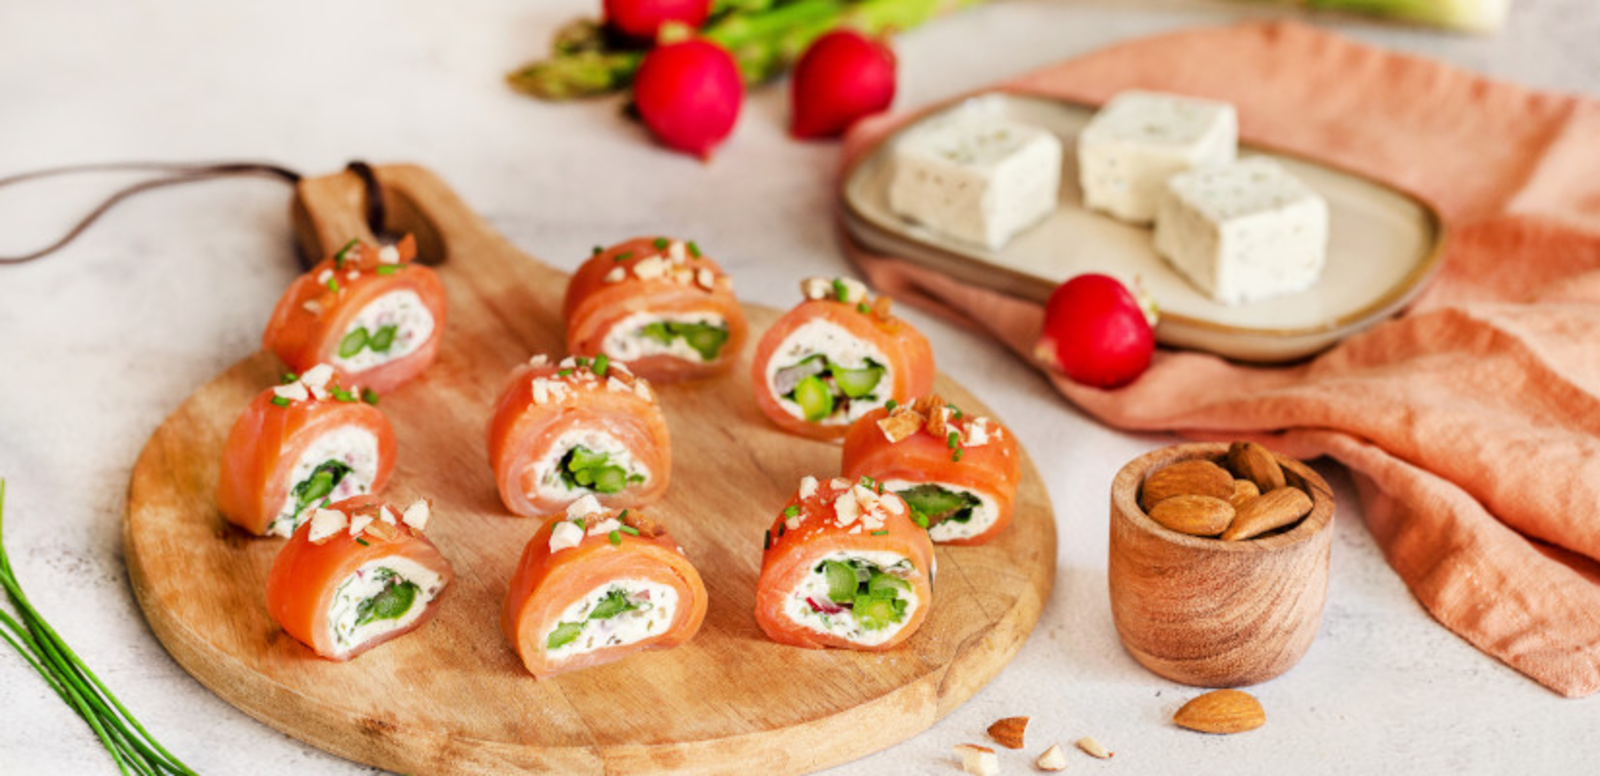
pixel 764 37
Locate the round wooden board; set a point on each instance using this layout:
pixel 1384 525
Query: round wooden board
pixel 452 696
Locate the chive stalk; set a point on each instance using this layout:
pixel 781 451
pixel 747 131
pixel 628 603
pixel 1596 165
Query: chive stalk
pixel 130 745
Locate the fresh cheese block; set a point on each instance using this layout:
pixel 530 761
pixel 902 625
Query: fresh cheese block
pixel 979 179
pixel 1140 139
pixel 1243 232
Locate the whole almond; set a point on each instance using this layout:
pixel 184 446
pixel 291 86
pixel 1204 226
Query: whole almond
pixel 1243 491
pixel 1256 464
pixel 1194 515
pixel 1222 711
pixel 1008 732
pixel 1267 511
pixel 1186 478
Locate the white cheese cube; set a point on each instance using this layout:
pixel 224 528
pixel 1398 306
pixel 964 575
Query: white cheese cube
pixel 1140 139
pixel 1243 232
pixel 979 179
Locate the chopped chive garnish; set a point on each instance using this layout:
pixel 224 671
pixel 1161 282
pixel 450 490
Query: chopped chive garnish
pixel 841 291
pixel 280 401
pixel 581 361
pixel 791 511
pixel 615 537
pixel 661 243
pixel 369 396
pixel 954 440
pixel 781 527
pixel 623 515
pixel 338 258
pixel 602 362
pixel 629 530
pixel 581 524
pixel 884 532
pixel 956 410
pixel 389 269
pixel 956 456
pixel 694 250
pixel 767 545
pixel 863 308
pixel 342 394
pixel 363 542
pixel 333 285
pixel 868 481
pixel 890 405
pixel 623 256
pixel 288 377
pixel 597 251
pixel 564 373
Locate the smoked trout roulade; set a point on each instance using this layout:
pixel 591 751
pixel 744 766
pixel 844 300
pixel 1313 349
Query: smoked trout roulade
pixel 372 313
pixel 658 304
pixel 836 357
pixel 844 566
pixel 596 586
pixel 581 427
pixel 957 472
pixel 301 445
pixel 357 574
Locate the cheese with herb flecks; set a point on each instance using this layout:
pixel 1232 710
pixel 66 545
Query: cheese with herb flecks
pixel 1140 139
pixel 978 178
pixel 1243 232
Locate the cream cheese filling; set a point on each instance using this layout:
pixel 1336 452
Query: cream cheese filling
pixel 814 586
pixel 354 446
pixel 368 581
pixel 843 349
pixel 657 605
pixel 625 342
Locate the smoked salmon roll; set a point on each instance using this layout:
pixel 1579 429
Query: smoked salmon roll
pixel 836 357
pixel 372 313
pixel 596 586
pixel 659 304
pixel 302 445
pixel 357 574
pixel 582 427
pixel 844 566
pixel 957 472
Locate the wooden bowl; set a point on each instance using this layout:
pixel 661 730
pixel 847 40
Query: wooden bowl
pixel 1207 612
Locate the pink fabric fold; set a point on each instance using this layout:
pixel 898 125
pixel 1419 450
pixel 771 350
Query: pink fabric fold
pixel 1472 421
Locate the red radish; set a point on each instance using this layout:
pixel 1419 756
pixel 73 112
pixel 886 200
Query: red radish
pixel 843 77
pixel 689 95
pixel 642 19
pixel 1096 332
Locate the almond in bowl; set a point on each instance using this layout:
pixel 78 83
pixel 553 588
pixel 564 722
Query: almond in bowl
pixel 1218 566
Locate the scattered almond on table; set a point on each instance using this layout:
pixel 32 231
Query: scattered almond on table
pixel 1094 749
pixel 1009 732
pixel 1243 495
pixel 978 760
pixel 1222 711
pixel 1053 759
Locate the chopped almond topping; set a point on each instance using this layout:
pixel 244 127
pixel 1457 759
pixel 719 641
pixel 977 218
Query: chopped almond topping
pixel 977 432
pixel 583 507
pixel 683 277
pixel 564 536
pixel 650 268
pixel 387 515
pixel 312 306
pixel 816 288
pixel 538 359
pixel 295 391
pixel 643 524
pixel 616 275
pixel 352 275
pixel 901 423
pixel 418 513
pixel 317 376
pixel 568 363
pixel 855 292
pixel 605 526
pixel 359 523
pixel 706 279
pixel 881 307
pixel 325 523
pixel 808 487
pixel 846 509
pixel 383 530
pixel 678 252
pixel 388 254
pixel 325 276
pixel 839 483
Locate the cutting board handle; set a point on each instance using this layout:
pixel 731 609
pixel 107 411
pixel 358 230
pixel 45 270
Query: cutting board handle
pixel 331 209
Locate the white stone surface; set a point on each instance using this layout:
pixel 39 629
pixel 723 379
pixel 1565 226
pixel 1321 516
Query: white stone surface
pixel 99 343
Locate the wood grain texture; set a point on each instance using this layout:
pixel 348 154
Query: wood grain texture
pixel 1207 612
pixel 452 697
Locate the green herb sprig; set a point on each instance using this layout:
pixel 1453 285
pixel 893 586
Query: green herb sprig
pixel 132 747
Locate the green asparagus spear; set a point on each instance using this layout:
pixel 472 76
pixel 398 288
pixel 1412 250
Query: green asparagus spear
pixel 764 37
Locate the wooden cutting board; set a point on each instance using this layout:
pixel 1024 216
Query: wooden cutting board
pixel 452 696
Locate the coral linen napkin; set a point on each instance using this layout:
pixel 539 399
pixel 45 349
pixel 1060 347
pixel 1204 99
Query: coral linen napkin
pixel 1472 422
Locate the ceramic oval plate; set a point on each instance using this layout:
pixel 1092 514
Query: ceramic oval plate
pixel 1384 245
